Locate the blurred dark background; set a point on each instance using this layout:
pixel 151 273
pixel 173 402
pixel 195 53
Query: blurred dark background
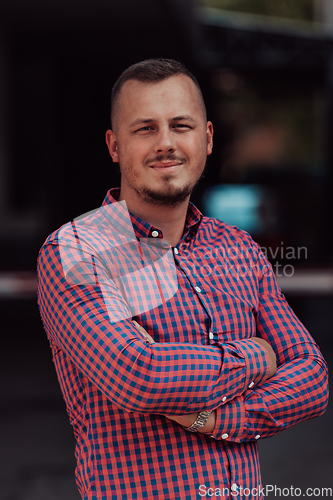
pixel 266 70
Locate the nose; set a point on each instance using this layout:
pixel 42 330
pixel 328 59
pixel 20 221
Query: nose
pixel 165 142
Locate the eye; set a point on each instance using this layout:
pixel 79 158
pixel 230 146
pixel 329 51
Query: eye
pixel 182 126
pixel 144 129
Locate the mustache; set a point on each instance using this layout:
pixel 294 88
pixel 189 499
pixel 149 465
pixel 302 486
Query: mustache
pixel 167 157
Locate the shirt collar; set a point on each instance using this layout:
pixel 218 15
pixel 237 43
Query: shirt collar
pixel 144 230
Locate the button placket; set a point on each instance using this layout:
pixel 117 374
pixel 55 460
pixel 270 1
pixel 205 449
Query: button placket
pixel 189 273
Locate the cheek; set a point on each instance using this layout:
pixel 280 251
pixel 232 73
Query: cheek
pixel 134 153
pixel 126 157
pixel 197 147
pixel 130 164
pixel 198 155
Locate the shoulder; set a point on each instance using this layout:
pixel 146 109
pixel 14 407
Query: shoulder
pixel 215 231
pixel 229 241
pixel 85 228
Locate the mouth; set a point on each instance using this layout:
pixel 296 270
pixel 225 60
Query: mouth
pixel 167 166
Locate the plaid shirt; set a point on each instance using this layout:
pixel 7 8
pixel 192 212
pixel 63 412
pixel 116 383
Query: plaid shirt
pixel 201 301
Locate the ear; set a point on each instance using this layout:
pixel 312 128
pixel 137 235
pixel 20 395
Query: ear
pixel 111 142
pixel 210 132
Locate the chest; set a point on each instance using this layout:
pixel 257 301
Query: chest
pixel 213 300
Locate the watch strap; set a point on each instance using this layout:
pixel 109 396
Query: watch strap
pixel 199 422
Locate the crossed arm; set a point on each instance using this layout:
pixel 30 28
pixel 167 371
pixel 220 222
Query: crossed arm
pixel 176 379
pixel 188 419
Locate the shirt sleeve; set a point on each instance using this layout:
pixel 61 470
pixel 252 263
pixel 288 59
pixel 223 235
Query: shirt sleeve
pixel 164 378
pixel 298 390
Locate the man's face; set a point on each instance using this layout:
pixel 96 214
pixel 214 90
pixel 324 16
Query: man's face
pixel 160 139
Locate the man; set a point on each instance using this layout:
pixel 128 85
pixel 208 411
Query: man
pixel 174 347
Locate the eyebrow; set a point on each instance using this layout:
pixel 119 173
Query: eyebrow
pixel 138 121
pixel 141 120
pixel 184 117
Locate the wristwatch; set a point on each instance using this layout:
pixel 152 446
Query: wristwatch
pixel 199 422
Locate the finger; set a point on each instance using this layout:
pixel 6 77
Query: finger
pixel 143 331
pixel 149 338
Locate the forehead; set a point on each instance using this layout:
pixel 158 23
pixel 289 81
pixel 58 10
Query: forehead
pixel 176 95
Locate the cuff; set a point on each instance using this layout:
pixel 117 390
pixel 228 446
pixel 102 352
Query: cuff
pixel 256 359
pixel 230 421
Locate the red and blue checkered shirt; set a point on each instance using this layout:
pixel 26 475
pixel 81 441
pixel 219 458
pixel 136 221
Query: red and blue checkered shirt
pixel 201 301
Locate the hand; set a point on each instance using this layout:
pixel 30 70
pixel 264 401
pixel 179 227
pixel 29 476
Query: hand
pixel 143 331
pixel 184 420
pixel 188 420
pixel 271 355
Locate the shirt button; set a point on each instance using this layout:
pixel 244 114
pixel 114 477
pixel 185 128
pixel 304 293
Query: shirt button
pixel 176 251
pixel 234 487
pixel 251 385
pixel 197 289
pixel 225 436
pixel 211 335
pixel 257 436
pixel 154 234
pixel 224 399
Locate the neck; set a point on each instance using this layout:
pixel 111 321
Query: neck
pixel 169 219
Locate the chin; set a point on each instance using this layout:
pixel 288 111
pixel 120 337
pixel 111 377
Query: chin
pixel 167 197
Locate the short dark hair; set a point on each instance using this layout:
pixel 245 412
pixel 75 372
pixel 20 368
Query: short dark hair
pixel 151 71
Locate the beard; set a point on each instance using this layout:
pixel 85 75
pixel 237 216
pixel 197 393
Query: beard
pixel 169 195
